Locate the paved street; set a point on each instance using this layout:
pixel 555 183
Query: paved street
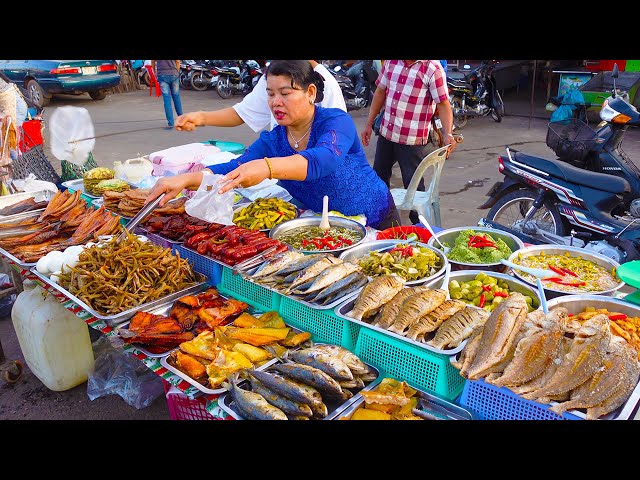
pixel 468 175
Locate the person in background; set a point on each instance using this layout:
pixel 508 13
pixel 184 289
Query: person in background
pixel 167 72
pixel 313 152
pixel 409 91
pixel 254 109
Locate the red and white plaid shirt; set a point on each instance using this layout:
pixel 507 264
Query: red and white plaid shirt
pixel 412 94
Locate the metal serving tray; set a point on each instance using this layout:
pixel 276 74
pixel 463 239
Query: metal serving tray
pixel 38 196
pixel 363 249
pixel 334 408
pixel 247 275
pixel 16 260
pixel 435 405
pixel 164 361
pixel 78 184
pixel 118 318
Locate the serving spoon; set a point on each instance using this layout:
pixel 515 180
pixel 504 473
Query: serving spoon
pixel 423 220
pixel 324 223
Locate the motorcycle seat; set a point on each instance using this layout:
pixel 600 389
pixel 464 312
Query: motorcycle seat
pixel 455 83
pixel 560 169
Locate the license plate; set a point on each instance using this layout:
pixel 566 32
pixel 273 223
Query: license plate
pixel 89 70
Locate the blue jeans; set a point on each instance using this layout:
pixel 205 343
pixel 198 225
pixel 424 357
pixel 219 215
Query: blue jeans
pixel 170 87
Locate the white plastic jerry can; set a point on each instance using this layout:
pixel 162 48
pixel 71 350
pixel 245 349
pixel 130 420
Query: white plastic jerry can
pixel 54 341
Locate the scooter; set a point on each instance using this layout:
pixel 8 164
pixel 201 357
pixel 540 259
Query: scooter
pixel 360 94
pixel 588 197
pixel 474 94
pixel 239 79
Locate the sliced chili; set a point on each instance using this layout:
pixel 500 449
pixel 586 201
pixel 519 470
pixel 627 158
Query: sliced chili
pixel 617 316
pixel 501 294
pixel 566 270
pixel 482 300
pixel 557 270
pixel 486 288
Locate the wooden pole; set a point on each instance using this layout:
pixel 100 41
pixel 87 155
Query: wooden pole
pixel 533 89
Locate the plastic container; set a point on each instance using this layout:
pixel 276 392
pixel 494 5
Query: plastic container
pixel 55 342
pixel 245 290
pixel 201 263
pixel 133 170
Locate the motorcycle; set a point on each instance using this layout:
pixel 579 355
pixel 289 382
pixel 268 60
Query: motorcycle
pixel 360 94
pixel 239 79
pixel 474 94
pixel 203 76
pixel 185 73
pixel 588 197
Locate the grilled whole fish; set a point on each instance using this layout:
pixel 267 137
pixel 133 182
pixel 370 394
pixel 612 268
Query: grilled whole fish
pixel 309 375
pixel 320 410
pixel 613 378
pixel 288 406
pixel 498 335
pixel 299 264
pixel 311 272
pixel 389 312
pixel 538 382
pixel 339 288
pixel 620 394
pixel 276 263
pixel 535 352
pixel 329 276
pixel 432 320
pixel 469 352
pixel 415 307
pixel 297 391
pixel 329 364
pixel 458 327
pixel 350 359
pixel 253 406
pixel 375 294
pixel 586 355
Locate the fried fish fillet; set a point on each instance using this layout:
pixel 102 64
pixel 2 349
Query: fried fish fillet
pixel 388 313
pixel 375 294
pixel 432 320
pixel 458 327
pixel 415 307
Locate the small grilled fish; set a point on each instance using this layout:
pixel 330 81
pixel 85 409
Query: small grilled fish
pixel 416 306
pixel 375 294
pixel 329 364
pixel 300 264
pixel 338 287
pixel 297 391
pixel 347 289
pixel 458 327
pixel 310 273
pixel 350 359
pixel 288 406
pixel 309 375
pixel 432 320
pixel 319 410
pixel 253 406
pixel 498 335
pixel 536 351
pixel 390 310
pixel 357 382
pixel 329 276
pixel 276 263
pixel 586 355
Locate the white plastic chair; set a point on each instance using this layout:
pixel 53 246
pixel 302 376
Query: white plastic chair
pixel 426 203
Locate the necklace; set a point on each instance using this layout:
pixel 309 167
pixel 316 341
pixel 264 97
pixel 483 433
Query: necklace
pixel 296 143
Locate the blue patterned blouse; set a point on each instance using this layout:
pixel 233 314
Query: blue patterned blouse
pixel 337 167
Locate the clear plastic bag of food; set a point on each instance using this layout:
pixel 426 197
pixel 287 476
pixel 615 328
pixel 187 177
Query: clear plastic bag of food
pixel 209 205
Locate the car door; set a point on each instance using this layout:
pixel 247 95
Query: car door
pixel 14 69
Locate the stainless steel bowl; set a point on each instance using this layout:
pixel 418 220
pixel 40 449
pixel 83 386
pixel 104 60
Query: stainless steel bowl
pixel 239 206
pixel 515 285
pixel 362 250
pixel 596 258
pixel 284 227
pixel 450 234
pixel 577 303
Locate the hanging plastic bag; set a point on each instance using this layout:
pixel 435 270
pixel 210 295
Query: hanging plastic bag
pixel 68 125
pixel 32 184
pixel 208 205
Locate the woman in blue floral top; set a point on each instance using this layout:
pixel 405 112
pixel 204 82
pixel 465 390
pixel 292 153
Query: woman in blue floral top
pixel 313 152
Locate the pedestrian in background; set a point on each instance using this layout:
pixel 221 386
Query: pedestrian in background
pixel 409 91
pixel 167 72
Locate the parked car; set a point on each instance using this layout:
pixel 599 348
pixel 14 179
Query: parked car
pixel 44 78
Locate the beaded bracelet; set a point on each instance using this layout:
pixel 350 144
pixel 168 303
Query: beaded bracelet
pixel 266 159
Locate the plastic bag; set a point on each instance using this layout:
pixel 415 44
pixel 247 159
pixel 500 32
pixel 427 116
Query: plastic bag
pixel 68 124
pixel 119 373
pixel 208 205
pixel 32 184
pixel 569 101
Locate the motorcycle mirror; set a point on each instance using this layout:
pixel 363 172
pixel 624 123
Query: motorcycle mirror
pixel 614 75
pixel 336 68
pixel 466 66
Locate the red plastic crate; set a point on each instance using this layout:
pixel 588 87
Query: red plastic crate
pixel 181 407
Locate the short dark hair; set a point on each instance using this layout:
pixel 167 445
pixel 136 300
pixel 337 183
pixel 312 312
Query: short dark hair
pixel 301 73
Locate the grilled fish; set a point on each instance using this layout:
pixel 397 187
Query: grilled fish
pixel 620 394
pixel 458 327
pixel 498 335
pixel 416 306
pixel 311 272
pixel 536 351
pixel 309 375
pixel 432 320
pixel 296 391
pixel 330 275
pixel 586 355
pixel 538 382
pixel 339 288
pixel 469 352
pixel 253 406
pixel 276 263
pixel 300 264
pixel 329 364
pixel 288 406
pixel 389 312
pixel 378 292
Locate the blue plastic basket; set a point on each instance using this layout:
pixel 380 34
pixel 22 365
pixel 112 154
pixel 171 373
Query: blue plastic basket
pixel 324 325
pixel 255 295
pixel 490 402
pixel 201 264
pixel 417 366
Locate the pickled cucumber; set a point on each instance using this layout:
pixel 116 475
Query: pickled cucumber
pixel 265 213
pixel 493 289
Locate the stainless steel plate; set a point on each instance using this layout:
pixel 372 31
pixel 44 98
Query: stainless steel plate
pixel 450 234
pixel 606 262
pixel 78 184
pixel 284 227
pixel 38 196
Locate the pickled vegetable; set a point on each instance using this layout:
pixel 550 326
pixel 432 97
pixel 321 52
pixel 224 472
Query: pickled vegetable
pixel 485 292
pixel 407 261
pixel 265 213
pixel 473 247
pixel 314 238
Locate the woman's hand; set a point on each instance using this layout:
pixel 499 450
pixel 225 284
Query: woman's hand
pixel 170 186
pixel 246 175
pixel 189 121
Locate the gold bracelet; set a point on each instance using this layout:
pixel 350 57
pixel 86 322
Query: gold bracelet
pixel 266 159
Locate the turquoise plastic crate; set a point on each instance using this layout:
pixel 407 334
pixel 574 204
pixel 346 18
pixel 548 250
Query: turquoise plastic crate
pixel 255 295
pixel 417 366
pixel 201 264
pixel 490 402
pixel 324 325
pixel 233 147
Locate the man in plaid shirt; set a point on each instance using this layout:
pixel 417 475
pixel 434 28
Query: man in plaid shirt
pixel 409 91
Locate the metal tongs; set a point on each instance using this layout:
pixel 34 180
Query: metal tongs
pixel 139 217
pixel 253 261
